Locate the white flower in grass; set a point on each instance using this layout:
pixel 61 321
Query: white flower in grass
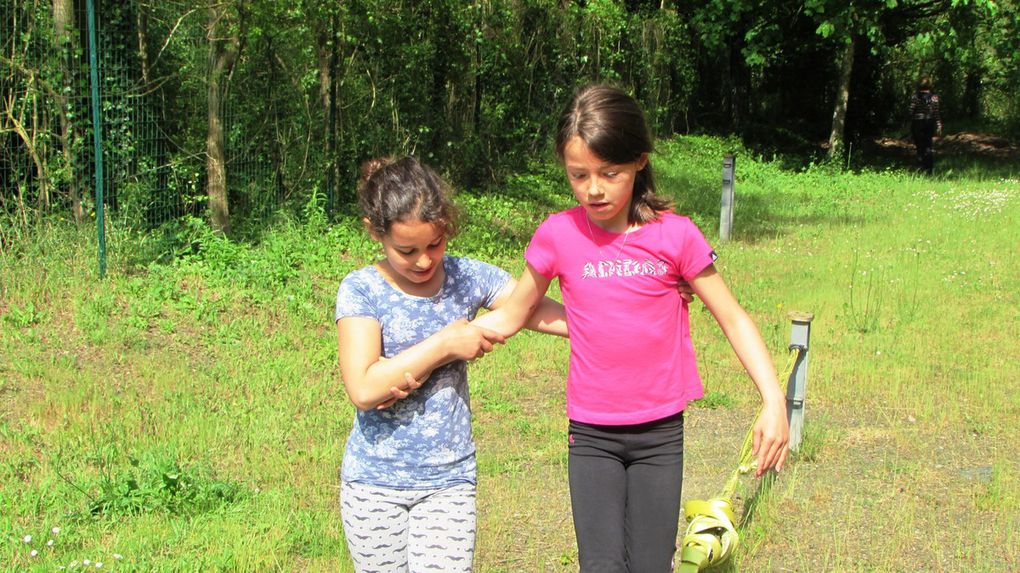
pixel 118 556
pixel 33 553
pixel 99 564
pixel 49 543
pixel 55 530
pixel 86 562
pixel 27 539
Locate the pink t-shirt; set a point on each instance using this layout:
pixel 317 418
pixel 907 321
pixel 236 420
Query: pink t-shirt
pixel 631 356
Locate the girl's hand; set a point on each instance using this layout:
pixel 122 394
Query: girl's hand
pixel 464 341
pixel 400 394
pixel 685 290
pixel 771 438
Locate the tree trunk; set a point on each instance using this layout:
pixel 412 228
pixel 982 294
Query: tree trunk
pixel 439 100
pixel 275 143
pixel 972 94
pixel 222 55
pixel 476 101
pixel 142 25
pixel 738 81
pixel 325 58
pixel 842 97
pixel 63 23
pixel 327 52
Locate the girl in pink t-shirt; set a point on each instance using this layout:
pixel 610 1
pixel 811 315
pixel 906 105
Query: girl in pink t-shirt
pixel 618 256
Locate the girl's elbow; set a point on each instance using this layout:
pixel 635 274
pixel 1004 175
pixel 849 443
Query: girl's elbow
pixel 361 399
pixel 363 406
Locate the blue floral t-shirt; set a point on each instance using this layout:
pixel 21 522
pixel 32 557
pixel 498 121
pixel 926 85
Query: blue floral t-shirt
pixel 423 441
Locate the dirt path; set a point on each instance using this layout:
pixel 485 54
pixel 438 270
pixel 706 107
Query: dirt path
pixel 961 143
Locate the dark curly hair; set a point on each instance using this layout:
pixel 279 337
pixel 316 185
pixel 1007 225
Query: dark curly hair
pixel 395 189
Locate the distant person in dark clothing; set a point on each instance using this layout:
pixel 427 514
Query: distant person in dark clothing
pixel 925 123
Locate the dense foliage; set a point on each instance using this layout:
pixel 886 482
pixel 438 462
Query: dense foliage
pixel 229 110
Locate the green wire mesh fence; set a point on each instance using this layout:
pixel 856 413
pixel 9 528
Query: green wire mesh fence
pixel 152 143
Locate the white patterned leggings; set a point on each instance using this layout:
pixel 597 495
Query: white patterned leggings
pixel 409 531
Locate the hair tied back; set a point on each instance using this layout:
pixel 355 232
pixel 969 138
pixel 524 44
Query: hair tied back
pixel 371 167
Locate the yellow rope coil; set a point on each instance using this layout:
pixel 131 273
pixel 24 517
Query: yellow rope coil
pixel 711 536
pixel 711 532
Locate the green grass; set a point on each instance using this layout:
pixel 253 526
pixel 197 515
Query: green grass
pixel 188 415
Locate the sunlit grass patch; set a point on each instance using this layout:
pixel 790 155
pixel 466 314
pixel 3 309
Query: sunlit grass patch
pixel 713 400
pixel 155 482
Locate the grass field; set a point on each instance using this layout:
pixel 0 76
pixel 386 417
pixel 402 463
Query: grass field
pixel 188 415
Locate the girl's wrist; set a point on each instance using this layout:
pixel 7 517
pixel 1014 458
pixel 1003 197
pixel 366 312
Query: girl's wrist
pixel 773 399
pixel 443 346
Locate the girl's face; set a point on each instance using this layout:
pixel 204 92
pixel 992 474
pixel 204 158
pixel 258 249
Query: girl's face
pixel 414 253
pixel 604 189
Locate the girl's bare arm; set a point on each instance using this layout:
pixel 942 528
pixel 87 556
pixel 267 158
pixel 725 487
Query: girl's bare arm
pixel 549 317
pixel 772 431
pixel 526 303
pixel 369 380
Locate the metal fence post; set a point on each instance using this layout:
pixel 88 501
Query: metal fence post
pixel 726 212
pixel 796 386
pixel 97 135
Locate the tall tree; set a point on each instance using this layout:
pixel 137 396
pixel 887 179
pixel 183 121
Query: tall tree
pixel 843 22
pixel 882 24
pixel 325 23
pixel 224 32
pixel 846 68
pixel 63 36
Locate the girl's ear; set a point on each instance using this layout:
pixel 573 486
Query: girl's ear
pixel 370 230
pixel 642 161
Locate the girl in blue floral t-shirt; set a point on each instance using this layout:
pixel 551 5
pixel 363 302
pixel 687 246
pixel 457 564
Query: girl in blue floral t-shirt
pixel 408 479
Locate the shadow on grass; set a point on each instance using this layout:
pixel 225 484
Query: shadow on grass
pixel 958 156
pixel 767 214
pixel 758 216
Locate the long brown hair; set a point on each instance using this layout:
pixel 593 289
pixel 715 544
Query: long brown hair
pixel 613 126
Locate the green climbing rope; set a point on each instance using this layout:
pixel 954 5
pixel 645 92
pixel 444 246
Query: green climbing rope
pixel 711 536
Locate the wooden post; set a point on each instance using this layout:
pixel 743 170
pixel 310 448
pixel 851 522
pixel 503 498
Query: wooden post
pixel 726 213
pixel 796 386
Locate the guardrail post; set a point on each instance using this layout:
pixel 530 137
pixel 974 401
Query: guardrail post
pixel 729 165
pixel 796 386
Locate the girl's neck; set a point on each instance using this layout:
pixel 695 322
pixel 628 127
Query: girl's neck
pixel 618 227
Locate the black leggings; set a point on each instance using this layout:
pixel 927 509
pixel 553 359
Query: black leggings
pixel 625 494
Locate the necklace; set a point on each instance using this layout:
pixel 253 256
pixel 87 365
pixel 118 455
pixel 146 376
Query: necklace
pixel 626 235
